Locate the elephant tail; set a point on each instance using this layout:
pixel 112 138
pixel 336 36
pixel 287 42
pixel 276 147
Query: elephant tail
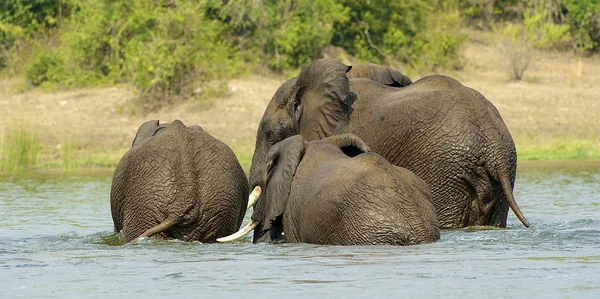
pixel 511 200
pixel 157 229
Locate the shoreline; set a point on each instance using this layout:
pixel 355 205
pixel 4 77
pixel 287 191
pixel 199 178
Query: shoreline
pixel 553 114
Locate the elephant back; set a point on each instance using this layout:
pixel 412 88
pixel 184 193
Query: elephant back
pixel 180 173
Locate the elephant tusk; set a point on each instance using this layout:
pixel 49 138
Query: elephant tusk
pixel 254 196
pixel 240 233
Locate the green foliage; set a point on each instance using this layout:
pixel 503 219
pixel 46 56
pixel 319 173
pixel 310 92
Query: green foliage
pixel 19 149
pixel 21 19
pixel 583 17
pixel 543 34
pixel 167 48
pixel 160 47
pixel 46 67
pixel 535 32
pixel 422 34
pixel 288 34
pixel 180 49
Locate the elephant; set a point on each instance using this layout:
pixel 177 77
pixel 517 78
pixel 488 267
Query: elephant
pixel 334 191
pixel 449 135
pixel 177 182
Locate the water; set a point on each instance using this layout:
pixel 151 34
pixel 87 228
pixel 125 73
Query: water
pixel 55 232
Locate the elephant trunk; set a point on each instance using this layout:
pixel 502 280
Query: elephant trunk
pixel 258 160
pixel 256 178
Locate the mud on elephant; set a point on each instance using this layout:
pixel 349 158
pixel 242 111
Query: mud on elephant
pixel 177 182
pixel 446 133
pixel 333 191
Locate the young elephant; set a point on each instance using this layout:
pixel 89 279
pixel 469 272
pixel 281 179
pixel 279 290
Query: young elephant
pixel 178 182
pixel 332 191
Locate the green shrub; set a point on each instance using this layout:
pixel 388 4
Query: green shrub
pixel 160 47
pixel 543 34
pixel 423 34
pixel 46 67
pixel 287 34
pixel 21 20
pixel 182 48
pixel 518 40
pixel 583 17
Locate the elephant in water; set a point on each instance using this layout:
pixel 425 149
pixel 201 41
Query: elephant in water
pixel 177 182
pixel 446 133
pixel 333 191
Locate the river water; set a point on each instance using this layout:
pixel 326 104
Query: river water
pixel 56 231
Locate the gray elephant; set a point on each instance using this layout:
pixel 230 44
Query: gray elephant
pixel 177 182
pixel 447 134
pixel 333 191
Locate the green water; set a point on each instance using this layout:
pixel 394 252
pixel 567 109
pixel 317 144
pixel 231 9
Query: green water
pixel 55 232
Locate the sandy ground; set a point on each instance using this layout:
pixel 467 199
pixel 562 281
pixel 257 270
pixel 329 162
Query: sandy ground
pixel 559 98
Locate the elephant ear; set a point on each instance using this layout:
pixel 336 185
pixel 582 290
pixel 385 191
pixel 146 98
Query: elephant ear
pixel 282 160
pixel 379 73
pixel 350 144
pixel 322 103
pixel 146 130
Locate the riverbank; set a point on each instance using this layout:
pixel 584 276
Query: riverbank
pixel 553 114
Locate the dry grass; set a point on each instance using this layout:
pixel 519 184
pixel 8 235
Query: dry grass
pixel 552 113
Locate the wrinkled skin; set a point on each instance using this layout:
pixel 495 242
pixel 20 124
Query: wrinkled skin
pixel 379 73
pixel 177 182
pixel 446 133
pixel 333 191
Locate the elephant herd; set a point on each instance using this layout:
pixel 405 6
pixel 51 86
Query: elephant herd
pixel 344 156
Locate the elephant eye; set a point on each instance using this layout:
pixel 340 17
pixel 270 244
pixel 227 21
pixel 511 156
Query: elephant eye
pixel 268 136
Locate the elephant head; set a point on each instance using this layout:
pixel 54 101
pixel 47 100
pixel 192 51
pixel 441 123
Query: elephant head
pixel 315 104
pixel 379 73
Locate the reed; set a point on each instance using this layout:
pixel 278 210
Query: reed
pixel 69 155
pixel 20 148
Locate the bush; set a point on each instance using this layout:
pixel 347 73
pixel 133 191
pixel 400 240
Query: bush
pixel 583 17
pixel 287 34
pixel 160 47
pixel 163 46
pixel 422 34
pixel 519 39
pixel 20 20
pixel 47 67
